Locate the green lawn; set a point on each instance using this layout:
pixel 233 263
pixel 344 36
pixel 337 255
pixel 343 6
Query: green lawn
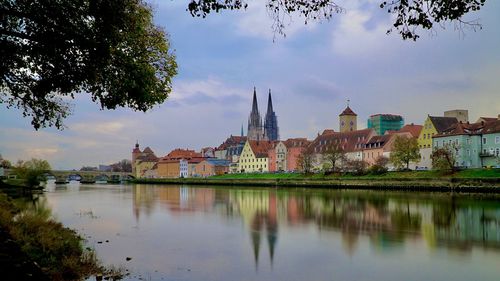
pixel 470 173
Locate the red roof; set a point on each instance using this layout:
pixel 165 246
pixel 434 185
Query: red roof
pixel 328 132
pixel 297 142
pixel 488 119
pixel 414 130
pixel 385 141
pixel 348 111
pixel 196 160
pixel 492 127
pixel 147 155
pixel 463 129
pixel 179 153
pixel 261 148
pixel 231 141
pixel 350 141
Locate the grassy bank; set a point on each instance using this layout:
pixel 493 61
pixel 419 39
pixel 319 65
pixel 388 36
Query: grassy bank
pixel 466 181
pixel 38 248
pixel 56 250
pixel 464 174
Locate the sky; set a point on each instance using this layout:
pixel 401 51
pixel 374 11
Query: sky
pixel 312 72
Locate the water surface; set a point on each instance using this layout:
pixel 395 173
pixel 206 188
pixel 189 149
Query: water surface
pixel 175 232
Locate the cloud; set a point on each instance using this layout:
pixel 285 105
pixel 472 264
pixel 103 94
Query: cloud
pixel 358 34
pixel 256 21
pixel 210 90
pixel 317 88
pixel 100 127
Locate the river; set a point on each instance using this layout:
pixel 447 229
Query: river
pixel 173 232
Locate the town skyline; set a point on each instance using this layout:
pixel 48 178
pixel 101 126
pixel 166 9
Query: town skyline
pixel 212 93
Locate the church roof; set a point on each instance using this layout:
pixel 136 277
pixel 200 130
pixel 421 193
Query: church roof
pixel 348 111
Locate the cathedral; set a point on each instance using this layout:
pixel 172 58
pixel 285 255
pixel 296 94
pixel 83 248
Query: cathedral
pixel 258 130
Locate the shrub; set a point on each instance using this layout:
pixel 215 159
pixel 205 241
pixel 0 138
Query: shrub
pixel 356 167
pixel 377 170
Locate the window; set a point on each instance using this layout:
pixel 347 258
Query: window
pixel 425 136
pixel 497 140
pixel 484 140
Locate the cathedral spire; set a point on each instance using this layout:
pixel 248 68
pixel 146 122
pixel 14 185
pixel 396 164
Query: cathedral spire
pixel 242 134
pixel 271 121
pixel 269 103
pixel 255 129
pixel 255 107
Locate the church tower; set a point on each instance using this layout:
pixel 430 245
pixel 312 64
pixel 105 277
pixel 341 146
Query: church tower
pixel 255 130
pixel 271 130
pixel 136 152
pixel 348 120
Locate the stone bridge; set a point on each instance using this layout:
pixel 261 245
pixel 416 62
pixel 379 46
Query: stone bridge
pixel 62 175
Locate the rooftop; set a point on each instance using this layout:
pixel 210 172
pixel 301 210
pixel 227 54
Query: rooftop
pixel 460 128
pixel 348 111
pixel 442 123
pixel 350 141
pixel 260 148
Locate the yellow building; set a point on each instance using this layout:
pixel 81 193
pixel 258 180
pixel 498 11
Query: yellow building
pixel 433 125
pixel 254 157
pixel 142 161
pixel 348 120
pixel 142 166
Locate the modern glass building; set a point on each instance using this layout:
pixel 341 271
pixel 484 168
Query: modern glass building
pixel 384 122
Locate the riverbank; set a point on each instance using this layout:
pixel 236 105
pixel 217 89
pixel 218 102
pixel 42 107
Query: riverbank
pixel 487 181
pixel 35 247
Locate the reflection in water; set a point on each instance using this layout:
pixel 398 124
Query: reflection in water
pixel 389 219
pixel 267 234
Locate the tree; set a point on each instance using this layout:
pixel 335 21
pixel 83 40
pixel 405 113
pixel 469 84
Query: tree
pixel 409 16
pixel 31 171
pixel 124 165
pixel 52 49
pixel 88 169
pixel 4 163
pixel 404 151
pixel 305 161
pixel 333 155
pixel 380 166
pixel 356 167
pixel 443 158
